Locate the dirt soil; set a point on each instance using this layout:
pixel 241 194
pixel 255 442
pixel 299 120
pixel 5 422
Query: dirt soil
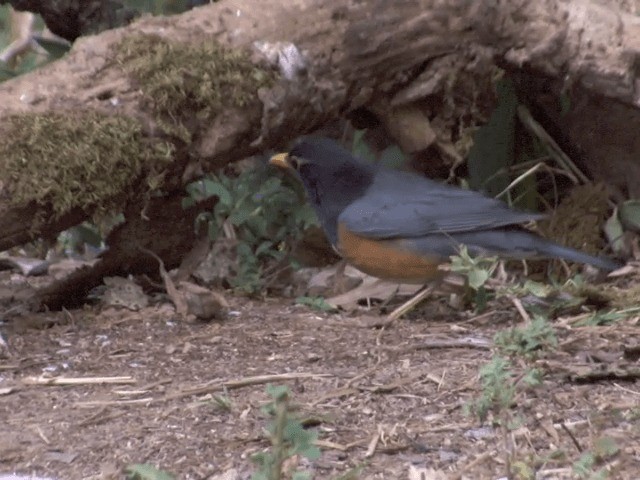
pixel 391 400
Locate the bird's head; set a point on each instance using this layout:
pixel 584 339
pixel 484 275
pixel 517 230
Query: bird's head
pixel 320 161
pixel 332 177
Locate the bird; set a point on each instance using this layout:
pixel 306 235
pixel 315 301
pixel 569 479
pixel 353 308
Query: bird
pixel 401 226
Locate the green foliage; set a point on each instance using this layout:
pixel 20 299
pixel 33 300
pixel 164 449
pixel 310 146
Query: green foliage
pixel 614 231
pixel 498 380
pixel 352 474
pixel 522 471
pixel 146 472
pixel 477 270
pixel 186 82
pixel 55 48
pixel 288 438
pixel 493 146
pixel 528 340
pixel 604 448
pixel 80 160
pixel 222 402
pixel 601 318
pixel 629 213
pixel 498 391
pixel 27 61
pixel 316 303
pixel 391 156
pixel 266 215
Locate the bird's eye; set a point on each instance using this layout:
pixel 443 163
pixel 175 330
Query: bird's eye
pixel 293 161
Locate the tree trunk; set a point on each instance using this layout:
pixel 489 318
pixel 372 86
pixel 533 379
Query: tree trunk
pixel 424 64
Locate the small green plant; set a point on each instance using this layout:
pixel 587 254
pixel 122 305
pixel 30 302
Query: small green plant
pixel 603 449
pixel 146 472
pixel 265 214
pixel 477 271
pixel 499 382
pixel 528 340
pixel 288 438
pixel 601 318
pixel 222 402
pixel 498 390
pixel 352 474
pixel 316 303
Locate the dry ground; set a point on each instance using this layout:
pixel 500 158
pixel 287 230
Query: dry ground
pixel 387 399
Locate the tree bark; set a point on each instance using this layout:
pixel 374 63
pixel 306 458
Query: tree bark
pixel 431 61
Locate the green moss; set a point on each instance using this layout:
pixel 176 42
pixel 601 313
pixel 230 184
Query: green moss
pixel 185 82
pixel 77 160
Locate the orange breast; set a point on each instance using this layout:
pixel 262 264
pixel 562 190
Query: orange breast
pixel 390 259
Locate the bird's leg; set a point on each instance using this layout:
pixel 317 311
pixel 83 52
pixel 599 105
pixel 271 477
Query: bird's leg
pixel 339 278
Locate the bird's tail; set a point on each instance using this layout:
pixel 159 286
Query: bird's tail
pixel 520 243
pixel 555 250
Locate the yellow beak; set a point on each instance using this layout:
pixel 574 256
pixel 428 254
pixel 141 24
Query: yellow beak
pixel 280 160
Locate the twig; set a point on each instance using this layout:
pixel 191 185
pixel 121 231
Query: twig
pixel 337 393
pixel 555 151
pixel 78 381
pixel 571 436
pixel 371 448
pixel 480 344
pixel 332 445
pixel 476 461
pixel 628 390
pixel 389 387
pixel 523 313
pixel 107 403
pixel 243 382
pixel 411 303
pixel 520 178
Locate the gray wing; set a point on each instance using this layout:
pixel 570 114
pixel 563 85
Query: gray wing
pixel 400 204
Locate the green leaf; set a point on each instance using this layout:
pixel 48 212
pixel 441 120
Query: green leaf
pixel 301 476
pixel 317 303
pixel 584 465
pixel 277 392
pixel 532 378
pixel 494 144
pixel 522 471
pixel 6 73
pixel 477 278
pixel 605 447
pixel 311 452
pixel 601 318
pixel 259 476
pixel 187 202
pixel 392 157
pixel 88 234
pixel 565 104
pixel 360 148
pixel 146 472
pixel 540 290
pixel 629 213
pixel 213 188
pixel 269 187
pixel 614 232
pixel 263 247
pixel 241 213
pixel 56 48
